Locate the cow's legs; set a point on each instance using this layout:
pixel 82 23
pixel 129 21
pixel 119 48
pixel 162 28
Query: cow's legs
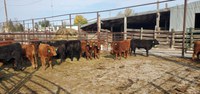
pixel 194 55
pixel 126 52
pixel 147 52
pixel 116 55
pixel 32 62
pixel 134 51
pixel 120 54
pixel 36 63
pixel 62 58
pixel 43 61
pixel 50 63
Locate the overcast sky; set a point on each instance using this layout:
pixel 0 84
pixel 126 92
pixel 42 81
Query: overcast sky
pixel 28 9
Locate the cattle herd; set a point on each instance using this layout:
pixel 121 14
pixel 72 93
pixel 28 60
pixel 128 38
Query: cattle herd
pixel 46 52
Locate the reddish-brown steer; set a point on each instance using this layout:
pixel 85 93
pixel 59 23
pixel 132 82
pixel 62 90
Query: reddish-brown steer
pixel 46 52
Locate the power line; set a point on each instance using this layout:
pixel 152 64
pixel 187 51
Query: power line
pixel 31 3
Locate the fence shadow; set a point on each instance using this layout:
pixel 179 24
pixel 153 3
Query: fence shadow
pixel 20 81
pixel 190 65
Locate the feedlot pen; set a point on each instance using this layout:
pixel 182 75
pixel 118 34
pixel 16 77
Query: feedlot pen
pixel 162 72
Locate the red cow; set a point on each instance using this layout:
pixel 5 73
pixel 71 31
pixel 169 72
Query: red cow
pixel 196 49
pixel 120 47
pixel 97 48
pixel 85 48
pixel 2 43
pixel 29 52
pixel 46 52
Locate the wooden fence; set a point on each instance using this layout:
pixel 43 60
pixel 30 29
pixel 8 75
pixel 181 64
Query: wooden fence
pixel 166 39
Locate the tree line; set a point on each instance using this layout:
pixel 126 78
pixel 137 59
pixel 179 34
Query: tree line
pixel 78 20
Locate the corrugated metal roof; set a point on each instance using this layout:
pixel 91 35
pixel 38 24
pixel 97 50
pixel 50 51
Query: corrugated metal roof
pixel 135 14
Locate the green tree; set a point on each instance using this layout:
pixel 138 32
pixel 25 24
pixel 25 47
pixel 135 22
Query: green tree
pixel 44 23
pixel 9 27
pixel 80 20
pixel 127 12
pixel 19 27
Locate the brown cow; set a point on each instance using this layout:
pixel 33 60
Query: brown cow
pixel 2 43
pixel 46 52
pixel 29 52
pixel 85 48
pixel 120 47
pixel 97 48
pixel 196 49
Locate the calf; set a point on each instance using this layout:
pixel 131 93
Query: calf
pixel 196 49
pixel 96 48
pixel 146 44
pixel 12 52
pixel 46 52
pixel 85 49
pixel 29 51
pixel 120 47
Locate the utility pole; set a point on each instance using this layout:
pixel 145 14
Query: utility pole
pixel 6 14
pixel 184 25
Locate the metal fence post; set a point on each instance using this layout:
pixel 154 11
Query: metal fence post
pixel 33 27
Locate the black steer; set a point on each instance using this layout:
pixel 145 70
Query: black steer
pixel 12 52
pixel 73 49
pixel 146 44
pixel 60 45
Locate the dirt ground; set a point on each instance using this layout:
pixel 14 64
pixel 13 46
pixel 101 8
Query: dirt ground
pixel 162 72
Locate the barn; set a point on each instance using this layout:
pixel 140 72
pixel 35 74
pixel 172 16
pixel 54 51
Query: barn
pixel 170 18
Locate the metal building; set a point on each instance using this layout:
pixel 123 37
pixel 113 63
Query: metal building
pixel 170 18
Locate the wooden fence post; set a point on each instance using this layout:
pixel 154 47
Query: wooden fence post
pixel 154 33
pixel 172 39
pixel 141 31
pixel 125 27
pixel 191 37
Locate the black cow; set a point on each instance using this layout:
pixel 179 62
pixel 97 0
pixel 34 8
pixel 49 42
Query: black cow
pixel 12 52
pixel 146 44
pixel 61 49
pixel 73 49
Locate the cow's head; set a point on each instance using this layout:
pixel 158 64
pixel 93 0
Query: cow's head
pixel 89 43
pixel 51 51
pixel 97 44
pixel 155 42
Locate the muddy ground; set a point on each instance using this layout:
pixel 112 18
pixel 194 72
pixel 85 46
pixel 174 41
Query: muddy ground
pixel 161 73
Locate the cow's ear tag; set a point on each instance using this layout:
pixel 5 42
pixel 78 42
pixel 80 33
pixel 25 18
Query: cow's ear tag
pixel 56 49
pixel 49 51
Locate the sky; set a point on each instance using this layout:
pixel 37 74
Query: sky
pixel 29 9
